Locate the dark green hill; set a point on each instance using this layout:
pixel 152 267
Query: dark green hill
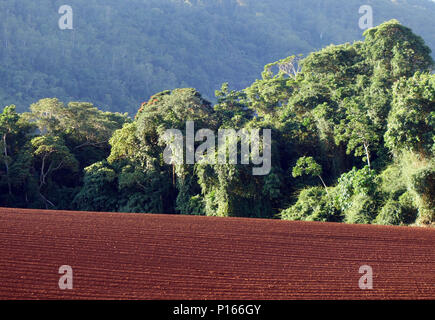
pixel 121 52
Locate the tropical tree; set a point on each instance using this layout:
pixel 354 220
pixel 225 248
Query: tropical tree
pixel 411 123
pixel 50 156
pixel 308 166
pixel 8 127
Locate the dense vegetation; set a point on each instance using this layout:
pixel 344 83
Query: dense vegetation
pixel 119 53
pixel 353 140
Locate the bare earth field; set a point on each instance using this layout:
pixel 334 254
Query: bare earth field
pixel 142 256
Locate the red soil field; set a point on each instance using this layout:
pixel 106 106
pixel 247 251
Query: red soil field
pixel 143 256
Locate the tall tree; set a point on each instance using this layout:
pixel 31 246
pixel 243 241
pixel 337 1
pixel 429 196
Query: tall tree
pixel 8 127
pixel 51 155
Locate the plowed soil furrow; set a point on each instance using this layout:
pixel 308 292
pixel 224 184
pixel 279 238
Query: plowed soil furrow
pixel 142 256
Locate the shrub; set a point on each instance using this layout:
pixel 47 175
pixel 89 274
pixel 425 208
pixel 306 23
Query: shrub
pixel 355 182
pixel 409 208
pixel 391 213
pixel 363 209
pixel 392 183
pixel 313 204
pixel 398 212
pixel 419 174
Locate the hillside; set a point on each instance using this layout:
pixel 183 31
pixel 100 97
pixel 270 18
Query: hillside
pixel 139 256
pixel 119 53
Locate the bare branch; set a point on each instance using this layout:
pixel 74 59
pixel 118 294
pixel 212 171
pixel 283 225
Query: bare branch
pixel 290 66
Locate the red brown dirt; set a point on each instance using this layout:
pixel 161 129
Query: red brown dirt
pixel 143 256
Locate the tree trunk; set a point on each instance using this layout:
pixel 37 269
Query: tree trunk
pixel 323 182
pixel 366 147
pixel 7 165
pixel 42 175
pixel 46 201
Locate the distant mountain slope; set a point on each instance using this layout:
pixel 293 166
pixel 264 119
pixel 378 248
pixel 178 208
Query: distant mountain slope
pixel 121 52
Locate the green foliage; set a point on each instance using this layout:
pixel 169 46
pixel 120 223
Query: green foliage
pixel 363 180
pixel 124 143
pixel 313 204
pixel 44 151
pixel 308 166
pixel 392 182
pixel 397 212
pixel 8 119
pixel 51 155
pixel 142 190
pixel 231 109
pixel 411 123
pixel 343 105
pixel 409 183
pixel 52 151
pixel 357 130
pixel 400 52
pixel 363 209
pixel 15 158
pixel 268 95
pixel 419 175
pixel 357 195
pixel 99 192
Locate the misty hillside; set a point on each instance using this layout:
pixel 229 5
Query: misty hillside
pixel 121 52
